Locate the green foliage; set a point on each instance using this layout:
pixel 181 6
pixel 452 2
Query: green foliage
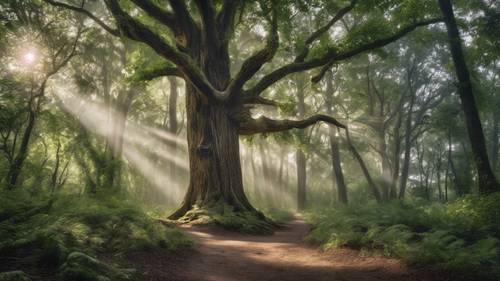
pixel 81 267
pixel 224 215
pixel 47 230
pixel 462 236
pixel 279 215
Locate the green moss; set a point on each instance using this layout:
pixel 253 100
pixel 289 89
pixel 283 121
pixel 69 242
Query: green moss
pixel 14 276
pixel 224 215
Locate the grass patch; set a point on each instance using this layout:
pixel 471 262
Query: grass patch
pixel 462 237
pixel 279 215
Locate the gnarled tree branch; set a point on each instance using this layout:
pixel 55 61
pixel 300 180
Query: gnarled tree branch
pixel 183 16
pixel 225 18
pixel 208 13
pixel 332 56
pixel 320 31
pixel 150 74
pixel 81 10
pixel 265 125
pixel 135 30
pixel 251 65
pixel 163 16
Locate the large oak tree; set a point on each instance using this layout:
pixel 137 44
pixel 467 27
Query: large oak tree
pixel 193 38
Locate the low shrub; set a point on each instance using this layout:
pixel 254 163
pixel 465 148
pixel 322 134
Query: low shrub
pixel 46 230
pixel 462 237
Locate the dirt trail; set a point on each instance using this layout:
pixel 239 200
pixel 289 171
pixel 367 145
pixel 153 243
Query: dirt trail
pixel 219 255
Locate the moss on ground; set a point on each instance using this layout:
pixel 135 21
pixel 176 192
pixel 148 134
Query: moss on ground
pixel 226 217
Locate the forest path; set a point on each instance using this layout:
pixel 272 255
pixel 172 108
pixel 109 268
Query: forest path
pixel 219 255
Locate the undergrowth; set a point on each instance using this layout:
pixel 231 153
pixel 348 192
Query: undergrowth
pixel 223 215
pixel 60 232
pixel 461 237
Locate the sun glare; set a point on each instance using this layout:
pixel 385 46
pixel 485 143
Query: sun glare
pixel 29 57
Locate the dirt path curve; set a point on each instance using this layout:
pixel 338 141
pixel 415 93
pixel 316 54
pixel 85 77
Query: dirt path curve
pixel 219 255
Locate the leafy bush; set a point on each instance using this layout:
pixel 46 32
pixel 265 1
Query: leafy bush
pixel 462 237
pixel 47 230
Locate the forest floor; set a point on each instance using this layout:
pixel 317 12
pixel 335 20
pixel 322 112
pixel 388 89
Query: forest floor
pixel 220 255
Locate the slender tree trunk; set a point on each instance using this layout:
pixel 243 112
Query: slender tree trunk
pixel 408 143
pixel 337 173
pixel 438 174
pixel 451 164
pixel 495 138
pixel 300 156
pixel 386 167
pixel 22 154
pixel 301 180
pixel 396 156
pixel 486 178
pixel 446 182
pixel 55 173
pixel 280 173
pixel 172 123
pixel 371 183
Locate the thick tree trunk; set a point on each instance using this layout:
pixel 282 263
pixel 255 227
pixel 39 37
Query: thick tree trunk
pixel 486 178
pixel 214 158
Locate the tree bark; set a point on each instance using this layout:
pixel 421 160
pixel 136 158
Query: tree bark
pixel 33 109
pixel 214 158
pixel 300 156
pixel 337 173
pixel 495 136
pixel 396 157
pixel 172 123
pixel 486 178
pixel 301 180
pixel 408 143
pixel 371 183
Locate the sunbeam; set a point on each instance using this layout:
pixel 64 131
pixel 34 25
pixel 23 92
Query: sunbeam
pixel 140 145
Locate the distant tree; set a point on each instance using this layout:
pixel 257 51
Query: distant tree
pixel 486 178
pixel 43 56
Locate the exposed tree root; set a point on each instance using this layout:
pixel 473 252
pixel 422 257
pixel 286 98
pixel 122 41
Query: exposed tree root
pixel 224 215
